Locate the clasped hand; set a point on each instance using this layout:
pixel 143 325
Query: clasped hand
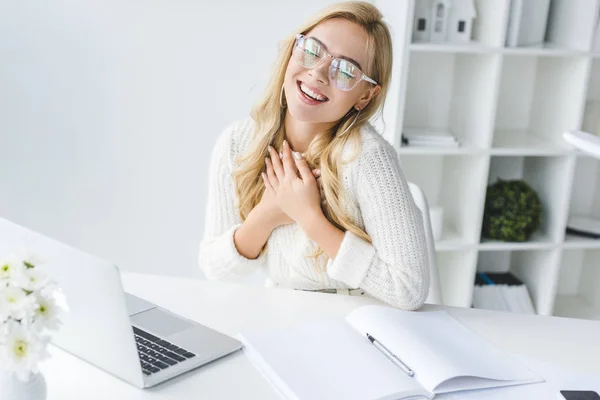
pixel 291 186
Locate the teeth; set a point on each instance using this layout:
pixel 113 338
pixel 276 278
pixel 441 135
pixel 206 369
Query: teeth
pixel 312 94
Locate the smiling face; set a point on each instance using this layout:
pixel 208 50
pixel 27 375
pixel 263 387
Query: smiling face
pixel 310 94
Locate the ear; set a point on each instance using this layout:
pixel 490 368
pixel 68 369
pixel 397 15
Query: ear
pixel 364 100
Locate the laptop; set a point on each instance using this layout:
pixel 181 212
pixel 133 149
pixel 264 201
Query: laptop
pixel 124 335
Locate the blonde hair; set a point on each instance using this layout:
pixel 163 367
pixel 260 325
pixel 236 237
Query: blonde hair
pixel 325 151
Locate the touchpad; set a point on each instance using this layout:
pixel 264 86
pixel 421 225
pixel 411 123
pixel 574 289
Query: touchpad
pixel 160 322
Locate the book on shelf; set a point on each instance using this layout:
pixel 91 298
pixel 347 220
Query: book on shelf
pixel 335 359
pixel 429 138
pixel 527 22
pixel 501 292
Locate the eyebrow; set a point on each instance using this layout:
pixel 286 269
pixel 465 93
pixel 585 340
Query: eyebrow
pixel 342 57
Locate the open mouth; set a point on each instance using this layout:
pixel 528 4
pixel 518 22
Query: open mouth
pixel 309 94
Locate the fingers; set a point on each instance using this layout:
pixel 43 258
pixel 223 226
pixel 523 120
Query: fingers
pixel 266 181
pixel 276 164
pixel 271 176
pixel 288 161
pixel 303 168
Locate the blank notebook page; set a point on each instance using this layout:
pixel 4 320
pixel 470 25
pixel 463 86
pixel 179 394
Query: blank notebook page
pixel 326 360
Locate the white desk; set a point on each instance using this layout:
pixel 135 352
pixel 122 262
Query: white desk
pixel 230 308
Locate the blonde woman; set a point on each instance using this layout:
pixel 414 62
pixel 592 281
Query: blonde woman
pixel 306 188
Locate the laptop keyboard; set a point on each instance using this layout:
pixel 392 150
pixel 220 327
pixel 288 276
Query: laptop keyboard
pixel 157 354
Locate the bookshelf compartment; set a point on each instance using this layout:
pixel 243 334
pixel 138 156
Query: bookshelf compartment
pixel 539 98
pixel 452 93
pixel 451 182
pixel 488 26
pixel 555 27
pixel 548 176
pixel 571 24
pixel 538 269
pixel 584 200
pixel 591 118
pixel 457 273
pixel 577 291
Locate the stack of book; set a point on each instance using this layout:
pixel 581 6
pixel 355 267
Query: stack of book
pixel 429 138
pixel 501 292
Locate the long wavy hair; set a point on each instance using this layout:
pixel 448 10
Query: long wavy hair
pixel 325 151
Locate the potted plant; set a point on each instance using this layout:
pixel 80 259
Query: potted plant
pixel 513 211
pixel 28 313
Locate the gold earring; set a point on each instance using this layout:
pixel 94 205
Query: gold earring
pixel 349 126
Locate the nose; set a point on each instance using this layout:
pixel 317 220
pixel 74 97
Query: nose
pixel 321 71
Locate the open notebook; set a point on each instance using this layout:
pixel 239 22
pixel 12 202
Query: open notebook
pixel 329 359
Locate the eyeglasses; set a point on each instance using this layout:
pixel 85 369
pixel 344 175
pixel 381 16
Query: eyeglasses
pixel 310 54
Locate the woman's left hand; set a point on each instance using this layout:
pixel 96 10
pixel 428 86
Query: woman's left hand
pixel 298 195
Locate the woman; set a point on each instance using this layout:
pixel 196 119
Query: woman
pixel 305 187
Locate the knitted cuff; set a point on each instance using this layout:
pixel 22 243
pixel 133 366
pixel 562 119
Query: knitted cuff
pixel 225 260
pixel 352 261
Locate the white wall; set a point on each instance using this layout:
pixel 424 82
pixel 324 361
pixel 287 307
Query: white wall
pixel 109 111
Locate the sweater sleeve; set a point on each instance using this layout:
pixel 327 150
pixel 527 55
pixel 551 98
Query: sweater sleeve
pixel 218 256
pixel 394 267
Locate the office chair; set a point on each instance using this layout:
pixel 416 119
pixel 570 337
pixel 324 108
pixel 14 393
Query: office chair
pixel 435 292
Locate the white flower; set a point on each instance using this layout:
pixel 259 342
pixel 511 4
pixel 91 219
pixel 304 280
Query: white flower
pixel 22 350
pixel 11 267
pixel 15 303
pixel 32 279
pixel 29 258
pixel 29 304
pixel 46 314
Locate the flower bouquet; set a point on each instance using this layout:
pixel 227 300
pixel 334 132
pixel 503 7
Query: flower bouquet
pixel 28 312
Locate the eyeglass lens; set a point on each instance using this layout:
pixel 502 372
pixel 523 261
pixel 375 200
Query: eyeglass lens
pixel 309 53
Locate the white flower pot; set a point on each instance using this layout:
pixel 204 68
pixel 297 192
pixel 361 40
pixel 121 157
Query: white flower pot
pixel 14 389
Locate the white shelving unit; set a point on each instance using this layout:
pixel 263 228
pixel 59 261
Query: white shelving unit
pixel 508 107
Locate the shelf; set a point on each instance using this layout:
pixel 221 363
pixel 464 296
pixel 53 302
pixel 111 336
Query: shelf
pixel 451 182
pixel 539 99
pixel 549 177
pixel 575 306
pixel 440 150
pixel 537 268
pixel 451 240
pixel 525 143
pixel 509 107
pixel 577 290
pixel 545 50
pixel 536 242
pixel 453 48
pixel 454 92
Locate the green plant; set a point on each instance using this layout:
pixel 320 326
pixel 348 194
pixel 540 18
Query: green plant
pixel 513 211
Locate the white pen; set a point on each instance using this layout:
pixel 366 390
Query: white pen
pixel 390 356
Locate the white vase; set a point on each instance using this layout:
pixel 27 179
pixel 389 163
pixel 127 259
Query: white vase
pixel 14 389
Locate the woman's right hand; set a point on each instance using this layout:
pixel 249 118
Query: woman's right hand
pixel 270 210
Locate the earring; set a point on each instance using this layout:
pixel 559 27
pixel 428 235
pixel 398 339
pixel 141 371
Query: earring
pixel 281 98
pixel 349 126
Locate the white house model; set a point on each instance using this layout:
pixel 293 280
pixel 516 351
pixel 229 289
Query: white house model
pixel 443 20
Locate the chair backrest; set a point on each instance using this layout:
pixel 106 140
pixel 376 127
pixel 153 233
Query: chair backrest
pixel 435 292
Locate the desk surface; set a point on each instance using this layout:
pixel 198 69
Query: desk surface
pixel 231 308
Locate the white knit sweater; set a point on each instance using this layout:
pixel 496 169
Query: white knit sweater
pixel 393 269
